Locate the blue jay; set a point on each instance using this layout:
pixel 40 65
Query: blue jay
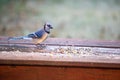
pixel 38 36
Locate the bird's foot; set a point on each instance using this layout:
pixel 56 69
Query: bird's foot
pixel 40 46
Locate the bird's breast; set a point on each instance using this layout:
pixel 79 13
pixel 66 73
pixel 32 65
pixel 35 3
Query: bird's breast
pixel 41 39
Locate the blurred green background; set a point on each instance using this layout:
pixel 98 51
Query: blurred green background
pixel 81 19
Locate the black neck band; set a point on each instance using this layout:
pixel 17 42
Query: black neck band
pixel 46 30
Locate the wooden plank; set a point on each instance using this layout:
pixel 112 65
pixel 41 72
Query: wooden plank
pixel 99 54
pixel 57 59
pixel 57 73
pixel 60 63
pixel 66 42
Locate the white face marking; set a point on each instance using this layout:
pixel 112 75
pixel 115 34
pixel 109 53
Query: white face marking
pixel 47 27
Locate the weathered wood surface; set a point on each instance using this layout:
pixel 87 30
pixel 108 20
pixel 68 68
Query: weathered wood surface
pixel 97 54
pixel 59 59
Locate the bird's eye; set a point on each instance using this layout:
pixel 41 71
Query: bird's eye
pixel 49 25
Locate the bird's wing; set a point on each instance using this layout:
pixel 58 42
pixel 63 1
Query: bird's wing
pixel 37 34
pixel 32 35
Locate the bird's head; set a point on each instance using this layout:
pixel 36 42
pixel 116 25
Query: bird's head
pixel 47 27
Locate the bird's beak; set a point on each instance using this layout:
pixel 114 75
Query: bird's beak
pixel 51 27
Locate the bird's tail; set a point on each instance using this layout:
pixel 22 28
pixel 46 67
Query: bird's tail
pixel 20 38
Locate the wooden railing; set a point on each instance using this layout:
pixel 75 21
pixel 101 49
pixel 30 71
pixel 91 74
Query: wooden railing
pixel 59 59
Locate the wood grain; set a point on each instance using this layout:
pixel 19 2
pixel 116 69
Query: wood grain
pixel 57 73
